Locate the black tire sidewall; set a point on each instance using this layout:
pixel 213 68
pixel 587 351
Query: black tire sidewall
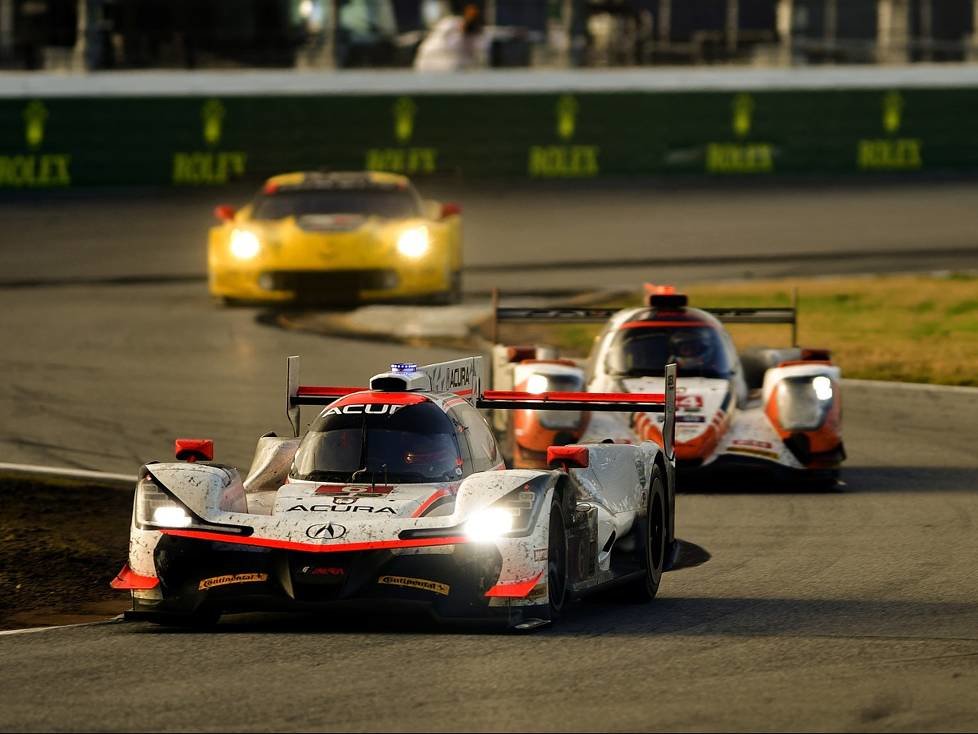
pixel 556 609
pixel 653 572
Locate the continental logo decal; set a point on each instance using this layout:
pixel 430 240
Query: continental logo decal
pixel 228 579
pixel 411 583
pixel 753 452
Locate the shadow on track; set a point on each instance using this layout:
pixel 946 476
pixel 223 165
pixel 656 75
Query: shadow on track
pixel 764 616
pixel 853 479
pixel 910 479
pixel 603 615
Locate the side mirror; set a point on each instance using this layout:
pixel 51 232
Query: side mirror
pixel 224 212
pixel 450 209
pixel 193 449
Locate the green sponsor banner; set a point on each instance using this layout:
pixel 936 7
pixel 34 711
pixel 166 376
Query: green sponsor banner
pixel 211 141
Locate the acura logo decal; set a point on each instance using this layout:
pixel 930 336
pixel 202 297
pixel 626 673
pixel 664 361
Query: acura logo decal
pixel 327 531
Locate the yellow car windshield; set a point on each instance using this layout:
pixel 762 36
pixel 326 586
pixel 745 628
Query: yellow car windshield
pixel 368 202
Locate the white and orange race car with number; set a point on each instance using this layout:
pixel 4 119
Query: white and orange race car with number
pixel 397 495
pixel 764 409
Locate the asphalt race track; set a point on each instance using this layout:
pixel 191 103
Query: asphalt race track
pixel 852 610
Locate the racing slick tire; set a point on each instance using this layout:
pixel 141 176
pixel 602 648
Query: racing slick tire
pixel 653 542
pixel 556 560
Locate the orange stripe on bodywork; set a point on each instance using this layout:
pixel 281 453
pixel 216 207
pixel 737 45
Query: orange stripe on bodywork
pixel 695 448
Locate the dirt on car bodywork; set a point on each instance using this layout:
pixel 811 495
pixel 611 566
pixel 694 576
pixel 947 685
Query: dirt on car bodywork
pixel 60 545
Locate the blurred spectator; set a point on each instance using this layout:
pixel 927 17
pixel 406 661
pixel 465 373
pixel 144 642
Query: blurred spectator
pixel 367 31
pixel 455 42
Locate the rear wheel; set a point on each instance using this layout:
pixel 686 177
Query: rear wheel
pixel 654 540
pixel 556 560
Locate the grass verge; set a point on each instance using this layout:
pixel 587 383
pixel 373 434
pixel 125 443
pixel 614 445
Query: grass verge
pixel 911 328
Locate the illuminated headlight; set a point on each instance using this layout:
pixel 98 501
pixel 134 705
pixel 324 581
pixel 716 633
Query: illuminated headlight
pixel 822 386
pixel 803 402
pixel 245 245
pixel 537 384
pixel 556 420
pixel 171 516
pixel 489 524
pixel 511 515
pixel 156 508
pixel 414 243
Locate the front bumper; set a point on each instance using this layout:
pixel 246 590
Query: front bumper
pixel 448 582
pixel 330 286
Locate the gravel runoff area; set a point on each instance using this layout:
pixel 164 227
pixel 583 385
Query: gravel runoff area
pixel 61 542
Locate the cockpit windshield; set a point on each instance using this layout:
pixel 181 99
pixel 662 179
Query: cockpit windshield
pixel 390 444
pixel 644 352
pixel 393 203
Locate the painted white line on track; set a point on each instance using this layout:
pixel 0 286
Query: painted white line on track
pixel 31 630
pixel 67 473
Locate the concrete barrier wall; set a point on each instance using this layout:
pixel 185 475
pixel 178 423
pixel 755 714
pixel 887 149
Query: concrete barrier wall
pixel 54 138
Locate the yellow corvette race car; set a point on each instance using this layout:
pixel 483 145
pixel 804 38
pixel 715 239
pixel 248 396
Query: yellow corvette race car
pixel 337 238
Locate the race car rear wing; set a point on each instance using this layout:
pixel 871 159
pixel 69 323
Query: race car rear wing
pixel 464 378
pixel 664 403
pixel 586 315
pixel 460 376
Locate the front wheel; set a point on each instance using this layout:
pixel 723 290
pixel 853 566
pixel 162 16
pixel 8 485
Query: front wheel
pixel 556 561
pixel 654 539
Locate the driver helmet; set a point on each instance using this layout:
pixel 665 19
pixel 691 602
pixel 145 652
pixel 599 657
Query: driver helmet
pixel 692 348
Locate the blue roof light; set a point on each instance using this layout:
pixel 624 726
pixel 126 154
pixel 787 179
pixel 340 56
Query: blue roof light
pixel 404 368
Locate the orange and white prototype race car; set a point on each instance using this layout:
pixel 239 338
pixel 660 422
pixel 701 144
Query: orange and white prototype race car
pixel 763 409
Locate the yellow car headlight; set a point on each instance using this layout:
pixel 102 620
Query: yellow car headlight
pixel 245 245
pixel 414 242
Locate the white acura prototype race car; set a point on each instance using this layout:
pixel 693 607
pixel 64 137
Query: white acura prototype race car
pixel 397 495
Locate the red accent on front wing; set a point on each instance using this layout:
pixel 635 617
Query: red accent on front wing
pixel 430 501
pixel 518 590
pixel 576 397
pixel 315 547
pixel 129 579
